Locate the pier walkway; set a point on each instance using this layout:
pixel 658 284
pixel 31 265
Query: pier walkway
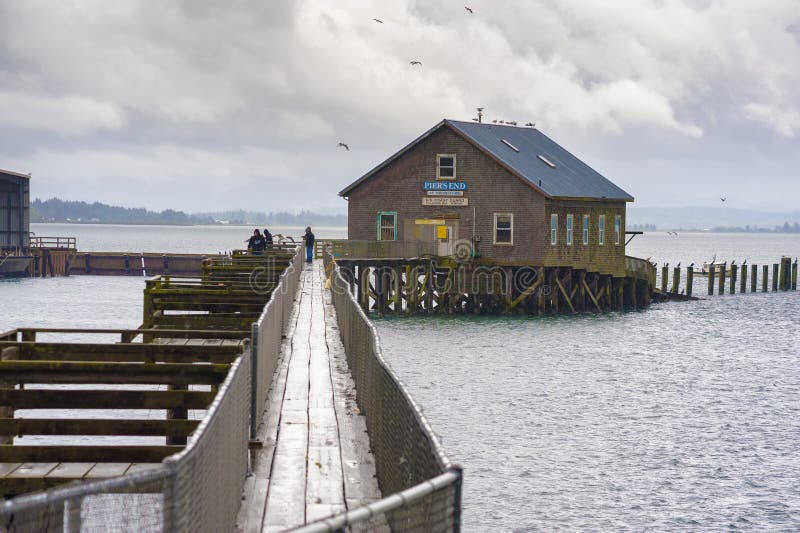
pixel 315 459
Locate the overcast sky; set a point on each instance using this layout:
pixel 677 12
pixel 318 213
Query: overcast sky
pixel 201 105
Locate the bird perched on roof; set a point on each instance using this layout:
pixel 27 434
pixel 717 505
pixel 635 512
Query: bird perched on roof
pixel 475 119
pixel 502 122
pixel 469 9
pixel 530 124
pixel 379 21
pixel 494 121
pixel 512 123
pixel 343 145
pixel 415 62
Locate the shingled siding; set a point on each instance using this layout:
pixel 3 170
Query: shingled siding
pixel 491 189
pixel 606 259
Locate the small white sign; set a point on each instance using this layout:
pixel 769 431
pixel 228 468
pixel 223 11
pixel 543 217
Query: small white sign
pixel 445 193
pixel 446 201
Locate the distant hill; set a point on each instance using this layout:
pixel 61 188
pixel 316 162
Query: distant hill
pixel 57 210
pixel 713 218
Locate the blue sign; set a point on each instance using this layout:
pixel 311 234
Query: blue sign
pixel 445 186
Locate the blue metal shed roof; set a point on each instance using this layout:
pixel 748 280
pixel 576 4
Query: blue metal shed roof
pixel 568 178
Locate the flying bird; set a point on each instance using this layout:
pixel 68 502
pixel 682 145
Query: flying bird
pixel 379 21
pixel 468 9
pixel 415 62
pixel 723 198
pixel 343 145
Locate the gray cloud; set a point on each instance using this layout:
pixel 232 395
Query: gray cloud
pixel 195 106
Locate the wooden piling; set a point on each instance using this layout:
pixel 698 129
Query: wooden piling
pixel 722 274
pixel 774 277
pixel 676 280
pixel 734 277
pixel 753 278
pixel 664 277
pixel 743 285
pixel 711 271
pixel 689 280
pixel 782 275
pixel 764 278
pixel 794 275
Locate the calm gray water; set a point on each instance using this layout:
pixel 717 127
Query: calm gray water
pixel 682 417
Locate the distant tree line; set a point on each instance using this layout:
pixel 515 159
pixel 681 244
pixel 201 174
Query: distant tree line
pixel 785 228
pixel 57 210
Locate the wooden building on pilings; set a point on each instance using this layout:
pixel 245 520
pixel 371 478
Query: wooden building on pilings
pixel 490 218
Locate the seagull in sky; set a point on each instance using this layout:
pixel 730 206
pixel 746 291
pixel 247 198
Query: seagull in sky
pixel 343 145
pixel 415 62
pixel 723 198
pixel 379 21
pixel 469 9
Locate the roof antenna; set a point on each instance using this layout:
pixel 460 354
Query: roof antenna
pixel 480 114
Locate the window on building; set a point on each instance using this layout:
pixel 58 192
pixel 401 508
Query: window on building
pixel 601 230
pixel 569 230
pixel 503 228
pixel 553 229
pixel 585 230
pixel 446 166
pixel 387 226
pixel 617 229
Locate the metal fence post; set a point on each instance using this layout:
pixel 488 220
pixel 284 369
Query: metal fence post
pixel 253 380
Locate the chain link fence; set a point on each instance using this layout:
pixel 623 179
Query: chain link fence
pixel 423 486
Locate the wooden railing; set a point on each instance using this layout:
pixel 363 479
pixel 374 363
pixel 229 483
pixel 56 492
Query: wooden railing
pixel 345 248
pixel 68 243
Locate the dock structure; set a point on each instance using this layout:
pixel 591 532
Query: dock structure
pixel 282 392
pixel 315 460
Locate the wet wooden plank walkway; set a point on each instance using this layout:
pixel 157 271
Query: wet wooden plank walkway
pixel 315 461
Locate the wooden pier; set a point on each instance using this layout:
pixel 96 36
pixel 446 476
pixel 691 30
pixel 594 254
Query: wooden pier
pixel 441 285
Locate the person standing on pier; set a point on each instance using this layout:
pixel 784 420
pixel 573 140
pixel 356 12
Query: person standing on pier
pixel 256 243
pixel 267 239
pixel 309 238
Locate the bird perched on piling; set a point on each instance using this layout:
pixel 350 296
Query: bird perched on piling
pixel 343 145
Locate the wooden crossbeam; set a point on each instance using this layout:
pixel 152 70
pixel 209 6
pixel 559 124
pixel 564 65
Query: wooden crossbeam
pixel 104 399
pixel 591 295
pixel 564 292
pixel 96 426
pixel 111 373
pixel 10 453
pixel 527 292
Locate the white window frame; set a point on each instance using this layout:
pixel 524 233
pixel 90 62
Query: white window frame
pixel 439 167
pixel 553 229
pixel 569 228
pixel 601 230
pixel 586 230
pixel 617 229
pixel 494 233
pixel 381 214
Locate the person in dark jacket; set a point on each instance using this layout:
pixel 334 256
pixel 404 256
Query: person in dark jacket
pixel 309 238
pixel 267 239
pixel 256 243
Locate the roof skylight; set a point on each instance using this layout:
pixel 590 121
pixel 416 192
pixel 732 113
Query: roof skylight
pixel 546 161
pixel 509 145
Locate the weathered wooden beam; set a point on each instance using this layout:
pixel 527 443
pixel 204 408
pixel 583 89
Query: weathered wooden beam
pixel 80 454
pixel 566 296
pixel 111 373
pixel 151 353
pixel 96 426
pixel 104 399
pixel 743 283
pixel 591 295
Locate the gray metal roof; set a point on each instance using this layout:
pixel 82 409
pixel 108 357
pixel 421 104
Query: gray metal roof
pixel 527 156
pixel 568 178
